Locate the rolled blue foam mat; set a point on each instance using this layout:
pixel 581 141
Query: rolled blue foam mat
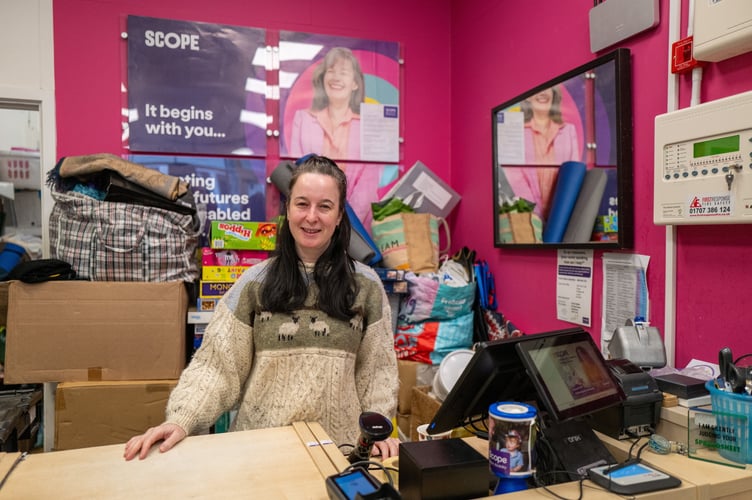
pixel 568 184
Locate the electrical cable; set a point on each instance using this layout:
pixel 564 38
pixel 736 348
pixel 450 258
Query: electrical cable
pixel 639 452
pixel 551 492
pixel 18 460
pixel 662 446
pixel 377 465
pixel 743 356
pixel 631 448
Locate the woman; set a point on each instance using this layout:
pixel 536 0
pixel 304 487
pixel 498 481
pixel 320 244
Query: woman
pixel 331 127
pixel 549 140
pixel 302 336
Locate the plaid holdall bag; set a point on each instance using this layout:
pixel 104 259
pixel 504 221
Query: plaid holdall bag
pixel 117 241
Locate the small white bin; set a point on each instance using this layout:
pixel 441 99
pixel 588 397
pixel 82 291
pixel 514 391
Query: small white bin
pixel 21 168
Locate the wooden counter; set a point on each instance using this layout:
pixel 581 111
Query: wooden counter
pixel 290 463
pixel 285 462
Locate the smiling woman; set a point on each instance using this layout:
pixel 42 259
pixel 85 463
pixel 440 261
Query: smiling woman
pixel 303 335
pixel 314 211
pixel 331 127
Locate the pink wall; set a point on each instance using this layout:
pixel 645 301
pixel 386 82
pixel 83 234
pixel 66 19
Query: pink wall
pixel 501 49
pixel 89 54
pixel 462 58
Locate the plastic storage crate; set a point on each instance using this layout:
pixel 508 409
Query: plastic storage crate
pixel 726 405
pixel 21 168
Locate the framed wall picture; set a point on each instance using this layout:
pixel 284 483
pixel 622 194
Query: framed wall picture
pixel 562 160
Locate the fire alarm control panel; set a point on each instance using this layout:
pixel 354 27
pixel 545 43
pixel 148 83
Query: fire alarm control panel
pixel 703 163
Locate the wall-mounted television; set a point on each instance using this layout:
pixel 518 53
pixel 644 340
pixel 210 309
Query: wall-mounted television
pixel 562 160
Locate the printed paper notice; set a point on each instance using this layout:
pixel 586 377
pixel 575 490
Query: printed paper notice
pixel 510 127
pixel 379 132
pixel 574 286
pixel 625 292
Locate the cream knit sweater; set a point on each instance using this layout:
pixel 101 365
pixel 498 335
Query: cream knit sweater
pixel 284 368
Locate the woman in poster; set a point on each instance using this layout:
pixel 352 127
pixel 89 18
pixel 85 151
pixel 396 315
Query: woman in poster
pixel 331 126
pixel 549 140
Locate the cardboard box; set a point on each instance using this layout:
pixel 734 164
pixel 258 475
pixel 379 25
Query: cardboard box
pixel 4 285
pixel 102 413
pixel 214 289
pixel 412 373
pixel 403 424
pixel 222 273
pixel 212 257
pixel 64 331
pixel 206 305
pixel 424 191
pixel 234 235
pixel 408 373
pixel 422 409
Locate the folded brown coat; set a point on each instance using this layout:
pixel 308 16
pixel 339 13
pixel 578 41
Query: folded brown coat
pixel 169 186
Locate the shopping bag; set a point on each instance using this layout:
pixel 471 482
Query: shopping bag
pixel 113 241
pixel 525 227
pixel 430 341
pixel 409 241
pixel 428 298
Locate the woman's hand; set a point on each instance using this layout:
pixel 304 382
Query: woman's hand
pixel 169 434
pixel 386 448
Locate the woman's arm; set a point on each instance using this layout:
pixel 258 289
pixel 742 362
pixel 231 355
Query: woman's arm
pixel 376 378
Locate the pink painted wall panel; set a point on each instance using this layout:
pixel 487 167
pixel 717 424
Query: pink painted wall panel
pixel 89 56
pixel 500 49
pixel 462 58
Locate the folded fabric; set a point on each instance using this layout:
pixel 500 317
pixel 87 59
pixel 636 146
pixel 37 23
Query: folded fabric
pixel 40 270
pixel 169 186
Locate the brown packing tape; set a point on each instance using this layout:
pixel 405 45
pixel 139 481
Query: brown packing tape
pixel 94 374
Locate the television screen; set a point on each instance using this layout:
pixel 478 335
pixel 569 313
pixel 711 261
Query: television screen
pixel 570 375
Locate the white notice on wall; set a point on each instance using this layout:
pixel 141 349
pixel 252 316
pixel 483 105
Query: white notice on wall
pixel 574 286
pixel 379 132
pixel 625 292
pixel 510 145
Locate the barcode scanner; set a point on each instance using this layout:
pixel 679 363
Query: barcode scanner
pixel 373 427
pixel 735 377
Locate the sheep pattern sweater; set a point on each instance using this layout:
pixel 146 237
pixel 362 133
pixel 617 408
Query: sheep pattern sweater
pixel 281 368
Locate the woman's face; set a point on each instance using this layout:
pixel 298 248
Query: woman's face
pixel 339 80
pixel 313 212
pixel 542 100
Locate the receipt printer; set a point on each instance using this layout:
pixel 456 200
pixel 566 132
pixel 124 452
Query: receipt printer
pixel 640 343
pixel 640 412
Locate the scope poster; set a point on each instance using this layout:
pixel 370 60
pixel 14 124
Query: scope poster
pixel 339 97
pixel 228 189
pixel 195 88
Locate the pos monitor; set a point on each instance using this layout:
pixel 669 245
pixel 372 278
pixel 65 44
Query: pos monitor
pixel 561 371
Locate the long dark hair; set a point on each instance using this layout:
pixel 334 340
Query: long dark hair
pixel 285 287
